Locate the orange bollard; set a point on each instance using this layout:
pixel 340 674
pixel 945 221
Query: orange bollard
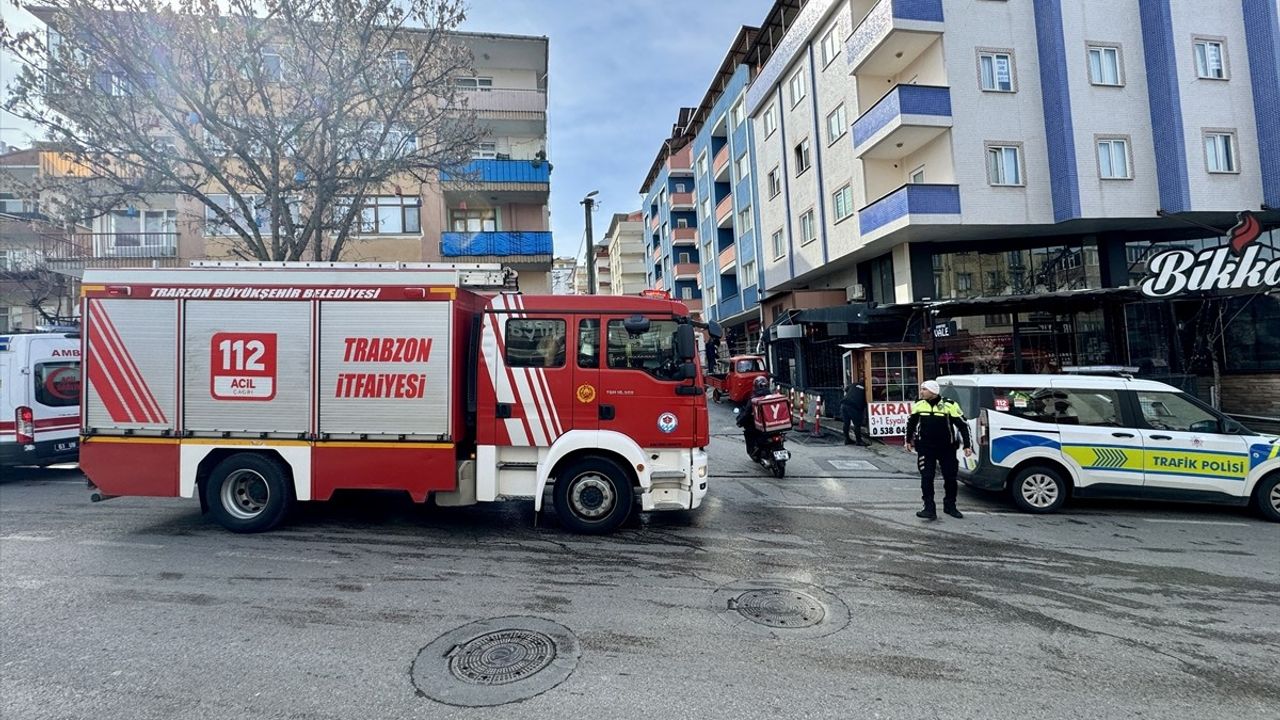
pixel 817 416
pixel 802 411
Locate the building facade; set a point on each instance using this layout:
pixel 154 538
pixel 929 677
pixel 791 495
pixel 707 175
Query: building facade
pixel 627 254
pixel 671 221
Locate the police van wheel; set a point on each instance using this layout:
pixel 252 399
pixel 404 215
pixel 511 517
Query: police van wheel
pixel 1039 489
pixel 593 496
pixel 1268 497
pixel 248 493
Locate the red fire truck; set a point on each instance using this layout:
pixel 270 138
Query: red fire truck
pixel 257 385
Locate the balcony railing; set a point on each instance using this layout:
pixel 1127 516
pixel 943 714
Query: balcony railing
pixel 684 235
pixel 903 121
pixel 892 36
pixel 682 201
pixel 727 257
pixel 686 270
pixel 681 161
pixel 513 100
pixel 916 203
pixel 81 246
pixel 657 253
pixel 721 161
pixel 528 171
pixel 724 211
pixel 507 243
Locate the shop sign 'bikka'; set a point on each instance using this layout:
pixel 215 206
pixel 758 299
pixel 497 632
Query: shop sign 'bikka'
pixel 1235 266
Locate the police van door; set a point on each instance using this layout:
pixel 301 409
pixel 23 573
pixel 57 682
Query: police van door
pixel 1187 450
pixel 1094 434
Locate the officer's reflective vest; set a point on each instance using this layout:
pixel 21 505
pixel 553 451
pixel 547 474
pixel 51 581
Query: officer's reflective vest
pixel 944 411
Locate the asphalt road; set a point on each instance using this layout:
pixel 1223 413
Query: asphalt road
pixel 140 608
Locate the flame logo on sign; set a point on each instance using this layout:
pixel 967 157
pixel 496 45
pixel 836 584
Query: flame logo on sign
pixel 1245 232
pixel 586 393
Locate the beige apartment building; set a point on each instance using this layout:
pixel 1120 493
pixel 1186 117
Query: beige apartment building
pixel 627 252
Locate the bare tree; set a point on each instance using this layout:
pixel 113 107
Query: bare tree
pixel 25 280
pixel 279 117
pixel 986 352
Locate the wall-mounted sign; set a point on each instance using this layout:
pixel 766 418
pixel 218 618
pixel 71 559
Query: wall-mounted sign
pixel 944 329
pixel 1235 266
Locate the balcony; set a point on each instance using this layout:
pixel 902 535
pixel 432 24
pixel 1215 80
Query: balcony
pixel 684 236
pixel 902 122
pixel 727 258
pixel 724 212
pixel 504 100
pixel 686 271
pixel 528 174
pixel 694 304
pixel 657 253
pixel 654 222
pixel 659 285
pixel 892 36
pixel 682 201
pixel 504 244
pixel 77 251
pixel 720 165
pixel 909 205
pixel 681 162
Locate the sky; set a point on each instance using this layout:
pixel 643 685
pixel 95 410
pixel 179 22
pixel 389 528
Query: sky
pixel 619 72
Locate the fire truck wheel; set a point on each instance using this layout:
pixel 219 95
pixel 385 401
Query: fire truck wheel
pixel 248 493
pixel 593 495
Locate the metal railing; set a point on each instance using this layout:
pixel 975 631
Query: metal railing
pixel 505 100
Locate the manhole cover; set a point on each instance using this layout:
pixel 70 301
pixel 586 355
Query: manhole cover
pixel 494 662
pixel 502 657
pixel 779 608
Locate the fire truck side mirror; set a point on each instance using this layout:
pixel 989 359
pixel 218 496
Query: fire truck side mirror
pixel 686 348
pixel 636 325
pixel 715 330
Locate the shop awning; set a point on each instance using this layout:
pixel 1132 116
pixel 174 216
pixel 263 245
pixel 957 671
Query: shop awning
pixel 1061 301
pixel 860 313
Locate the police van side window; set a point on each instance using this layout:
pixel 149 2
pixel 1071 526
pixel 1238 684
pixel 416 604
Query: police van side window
pixel 57 383
pixel 1060 406
pixel 1173 411
pixel 966 397
pixel 535 343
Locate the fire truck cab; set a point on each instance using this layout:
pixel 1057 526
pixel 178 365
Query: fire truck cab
pixel 253 386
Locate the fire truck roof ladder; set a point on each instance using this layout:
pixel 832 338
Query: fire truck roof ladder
pixel 476 275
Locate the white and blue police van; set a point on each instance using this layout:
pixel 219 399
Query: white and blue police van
pixel 39 398
pixel 1047 438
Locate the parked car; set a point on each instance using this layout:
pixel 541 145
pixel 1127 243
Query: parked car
pixel 735 382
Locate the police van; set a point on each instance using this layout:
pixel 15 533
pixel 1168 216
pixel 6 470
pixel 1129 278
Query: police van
pixel 1046 438
pixel 39 398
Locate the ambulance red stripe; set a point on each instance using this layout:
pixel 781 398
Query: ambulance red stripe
pixel 155 413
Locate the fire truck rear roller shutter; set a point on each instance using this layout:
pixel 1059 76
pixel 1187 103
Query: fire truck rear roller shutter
pixel 132 345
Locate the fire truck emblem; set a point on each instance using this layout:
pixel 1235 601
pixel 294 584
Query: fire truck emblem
pixel 586 393
pixel 667 422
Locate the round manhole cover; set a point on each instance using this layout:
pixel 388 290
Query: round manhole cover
pixel 494 662
pixel 780 608
pixel 502 657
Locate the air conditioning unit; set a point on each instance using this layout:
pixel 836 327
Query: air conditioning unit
pixel 855 292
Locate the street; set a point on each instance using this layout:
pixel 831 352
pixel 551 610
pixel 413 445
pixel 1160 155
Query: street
pixel 819 595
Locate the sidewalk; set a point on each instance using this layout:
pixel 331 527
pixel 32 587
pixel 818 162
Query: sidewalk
pixel 892 455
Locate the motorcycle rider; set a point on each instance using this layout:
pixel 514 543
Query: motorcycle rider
pixel 753 436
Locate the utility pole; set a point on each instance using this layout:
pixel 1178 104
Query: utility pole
pixel 589 203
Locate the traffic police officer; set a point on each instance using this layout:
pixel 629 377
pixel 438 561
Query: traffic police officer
pixel 935 430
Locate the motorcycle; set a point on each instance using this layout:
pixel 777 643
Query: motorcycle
pixel 766 448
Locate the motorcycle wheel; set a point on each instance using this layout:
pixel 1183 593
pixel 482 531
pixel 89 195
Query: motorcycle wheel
pixel 779 468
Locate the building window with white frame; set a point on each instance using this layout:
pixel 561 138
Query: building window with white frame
pixel 1113 159
pixel 842 203
pixel 779 251
pixel 1004 165
pixel 1104 65
pixel 744 221
pixel 738 114
pixel 831 45
pixel 743 166
pixel 749 274
pixel 775 182
pixel 474 83
pixel 798 87
pixel 1211 58
pixel 770 119
pixel 995 71
pixel 1220 151
pixel 837 124
pixel 802 156
pixel 706 208
pixel 917 176
pixel 808 229
pixel 702 164
pixel 485 151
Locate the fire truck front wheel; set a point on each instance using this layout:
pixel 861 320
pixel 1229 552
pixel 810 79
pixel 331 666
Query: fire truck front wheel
pixel 248 493
pixel 593 495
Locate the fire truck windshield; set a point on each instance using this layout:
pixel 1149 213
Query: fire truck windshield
pixel 653 352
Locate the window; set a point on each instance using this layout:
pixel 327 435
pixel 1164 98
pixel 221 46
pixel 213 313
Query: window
pixel 588 343
pixel 1174 411
pixel 778 250
pixel 213 223
pixel 1211 59
pixel 738 114
pixel 482 84
pixel 798 87
pixel 485 151
pixel 399 65
pixel 998 320
pixel 1104 65
pixel 1113 159
pixel 474 220
pixel 894 376
pixel 749 274
pixel 964 282
pixel 214 144
pixel 652 351
pixel 775 183
pixel 1220 152
pixel 808 232
pixel 836 124
pixel 842 202
pixel 830 45
pixel 702 164
pixel 686 292
pixel 682 222
pixel 802 156
pixel 535 343
pixel 387 215
pixel 680 188
pixel 917 176
pixel 995 70
pixel 1059 406
pixel 1004 164
pixel 743 166
pixel 744 221
pixel 770 119
pixel 272 65
pixel 57 384
pixel 706 208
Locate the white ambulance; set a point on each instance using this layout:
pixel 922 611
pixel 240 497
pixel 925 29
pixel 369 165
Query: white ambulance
pixel 39 398
pixel 1046 438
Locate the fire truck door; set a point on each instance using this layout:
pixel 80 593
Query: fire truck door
pixel 640 379
pixel 589 409
pixel 532 378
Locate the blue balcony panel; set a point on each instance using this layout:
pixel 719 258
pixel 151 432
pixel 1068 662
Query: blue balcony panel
pixel 501 171
pixel 892 36
pixel 920 203
pixel 904 121
pixel 500 244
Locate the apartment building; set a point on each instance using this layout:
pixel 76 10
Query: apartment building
pixel 493 209
pixel 1005 170
pixel 626 243
pixel 670 218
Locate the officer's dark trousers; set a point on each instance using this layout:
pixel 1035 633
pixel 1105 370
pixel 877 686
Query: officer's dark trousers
pixel 928 462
